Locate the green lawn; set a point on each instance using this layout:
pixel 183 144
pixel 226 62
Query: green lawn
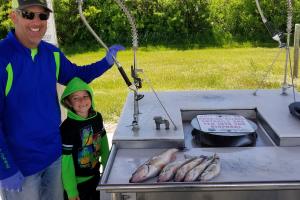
pixel 200 69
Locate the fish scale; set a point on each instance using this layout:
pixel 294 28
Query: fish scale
pixel 194 173
pixel 153 166
pixel 182 171
pixel 169 171
pixel 212 170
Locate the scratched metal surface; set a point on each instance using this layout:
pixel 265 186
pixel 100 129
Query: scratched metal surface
pixel 241 165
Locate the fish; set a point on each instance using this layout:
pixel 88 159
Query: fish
pixel 194 173
pixel 169 171
pixel 212 170
pixel 182 171
pixel 153 166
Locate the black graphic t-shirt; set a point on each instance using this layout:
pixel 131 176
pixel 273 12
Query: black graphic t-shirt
pixel 82 139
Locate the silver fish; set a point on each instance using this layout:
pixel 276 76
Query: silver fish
pixel 212 170
pixel 168 172
pixel 153 166
pixel 182 171
pixel 194 173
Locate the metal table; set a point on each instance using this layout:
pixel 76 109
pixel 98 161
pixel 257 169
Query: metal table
pixel 269 170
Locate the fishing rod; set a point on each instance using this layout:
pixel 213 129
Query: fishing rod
pixel 279 37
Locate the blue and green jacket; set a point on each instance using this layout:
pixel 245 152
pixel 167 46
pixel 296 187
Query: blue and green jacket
pixel 29 107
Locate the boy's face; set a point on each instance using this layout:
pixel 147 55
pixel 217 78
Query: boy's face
pixel 81 102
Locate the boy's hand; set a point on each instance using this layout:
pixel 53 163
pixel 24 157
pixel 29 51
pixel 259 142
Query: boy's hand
pixel 112 52
pixel 13 183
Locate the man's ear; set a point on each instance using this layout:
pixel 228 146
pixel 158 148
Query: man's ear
pixel 13 16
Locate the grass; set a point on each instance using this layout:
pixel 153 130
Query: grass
pixel 197 69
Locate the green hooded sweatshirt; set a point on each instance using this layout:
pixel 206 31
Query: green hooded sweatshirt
pixel 84 142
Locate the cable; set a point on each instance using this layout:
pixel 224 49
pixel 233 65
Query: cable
pixel 159 101
pixel 267 72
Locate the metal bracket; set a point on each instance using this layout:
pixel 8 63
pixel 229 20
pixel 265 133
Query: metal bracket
pixel 159 120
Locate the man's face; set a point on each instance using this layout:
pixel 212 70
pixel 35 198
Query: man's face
pixel 30 31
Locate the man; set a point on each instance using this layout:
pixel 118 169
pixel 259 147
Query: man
pixel 30 145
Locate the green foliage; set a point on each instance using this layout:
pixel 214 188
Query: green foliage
pixel 5 22
pixel 239 20
pixel 185 23
pixel 103 16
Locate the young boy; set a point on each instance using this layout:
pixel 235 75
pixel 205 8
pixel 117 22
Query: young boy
pixel 84 142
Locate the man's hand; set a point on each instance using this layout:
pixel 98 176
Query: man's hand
pixel 13 183
pixel 112 52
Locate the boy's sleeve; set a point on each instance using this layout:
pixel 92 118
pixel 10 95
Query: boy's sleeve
pixel 68 169
pixel 104 150
pixel 68 176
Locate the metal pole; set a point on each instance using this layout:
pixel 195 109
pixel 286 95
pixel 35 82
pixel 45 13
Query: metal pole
pixel 135 125
pixel 135 122
pixel 285 85
pixel 287 57
pixel 296 50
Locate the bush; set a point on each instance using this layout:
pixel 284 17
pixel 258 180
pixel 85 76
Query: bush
pixel 5 23
pixel 165 22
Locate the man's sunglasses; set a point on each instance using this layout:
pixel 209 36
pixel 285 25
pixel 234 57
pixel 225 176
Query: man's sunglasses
pixel 31 15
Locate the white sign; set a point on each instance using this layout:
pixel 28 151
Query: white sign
pixel 224 123
pixel 50 35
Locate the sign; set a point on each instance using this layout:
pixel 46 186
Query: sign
pixel 50 35
pixel 214 123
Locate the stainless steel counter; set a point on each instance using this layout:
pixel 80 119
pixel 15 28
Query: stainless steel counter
pixel 246 173
pixel 270 104
pixel 269 170
pixel 248 165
